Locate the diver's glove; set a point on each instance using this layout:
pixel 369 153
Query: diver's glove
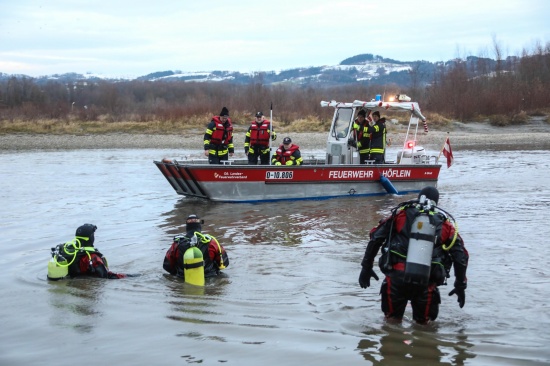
pixel 365 276
pixel 278 163
pixel 290 162
pixel 459 291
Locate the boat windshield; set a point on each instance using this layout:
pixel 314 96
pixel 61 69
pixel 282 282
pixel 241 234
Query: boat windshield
pixel 342 122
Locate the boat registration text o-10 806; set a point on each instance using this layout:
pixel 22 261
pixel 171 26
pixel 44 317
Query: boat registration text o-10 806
pixel 279 174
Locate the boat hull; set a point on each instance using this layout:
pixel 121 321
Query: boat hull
pixel 245 183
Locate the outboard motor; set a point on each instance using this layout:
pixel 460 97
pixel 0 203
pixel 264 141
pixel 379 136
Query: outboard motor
pixel 421 244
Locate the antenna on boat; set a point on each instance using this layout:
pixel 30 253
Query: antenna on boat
pixel 270 129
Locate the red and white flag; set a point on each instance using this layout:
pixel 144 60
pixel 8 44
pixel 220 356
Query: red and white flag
pixel 448 152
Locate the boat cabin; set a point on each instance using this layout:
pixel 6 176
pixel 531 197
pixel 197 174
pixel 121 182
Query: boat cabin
pixel 339 151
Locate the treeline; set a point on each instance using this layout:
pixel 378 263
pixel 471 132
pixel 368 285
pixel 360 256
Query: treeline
pixel 508 89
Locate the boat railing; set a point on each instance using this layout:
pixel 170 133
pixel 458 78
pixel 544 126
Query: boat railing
pixel 421 159
pixel 425 159
pixel 233 162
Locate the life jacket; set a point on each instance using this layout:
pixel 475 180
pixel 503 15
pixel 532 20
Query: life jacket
pixel 284 156
pixel 260 134
pixel 222 133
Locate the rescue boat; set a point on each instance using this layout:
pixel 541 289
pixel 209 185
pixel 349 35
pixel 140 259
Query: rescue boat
pixel 338 174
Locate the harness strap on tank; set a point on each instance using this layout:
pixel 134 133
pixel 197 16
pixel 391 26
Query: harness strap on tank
pixel 193 265
pixel 420 236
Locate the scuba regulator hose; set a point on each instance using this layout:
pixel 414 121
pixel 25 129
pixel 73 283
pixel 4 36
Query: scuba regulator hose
pixel 205 239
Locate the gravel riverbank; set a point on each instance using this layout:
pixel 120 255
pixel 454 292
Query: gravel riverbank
pixel 533 136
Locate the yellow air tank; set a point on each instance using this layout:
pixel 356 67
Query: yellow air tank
pixel 193 266
pixel 57 270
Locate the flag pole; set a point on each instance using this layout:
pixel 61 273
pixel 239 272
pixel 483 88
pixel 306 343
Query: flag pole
pixel 270 129
pixel 442 148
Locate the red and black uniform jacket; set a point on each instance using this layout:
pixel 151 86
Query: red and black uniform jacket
pixel 377 136
pixel 362 138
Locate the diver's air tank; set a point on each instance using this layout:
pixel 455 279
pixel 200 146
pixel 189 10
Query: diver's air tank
pixel 57 267
pixel 193 266
pixel 419 253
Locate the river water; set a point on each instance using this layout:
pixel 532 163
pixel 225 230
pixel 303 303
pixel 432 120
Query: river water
pixel 290 295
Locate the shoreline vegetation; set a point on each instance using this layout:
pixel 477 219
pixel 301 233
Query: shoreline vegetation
pixel 531 134
pixel 477 102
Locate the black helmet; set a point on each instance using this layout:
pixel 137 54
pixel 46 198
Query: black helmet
pixel 193 223
pixel 87 231
pixel 430 192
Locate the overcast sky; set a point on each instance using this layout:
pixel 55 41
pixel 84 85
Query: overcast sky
pixel 133 37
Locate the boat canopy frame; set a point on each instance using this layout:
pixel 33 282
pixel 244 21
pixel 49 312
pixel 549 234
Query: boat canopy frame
pixel 341 127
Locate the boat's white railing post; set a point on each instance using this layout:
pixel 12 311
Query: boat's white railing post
pixel 405 140
pixel 414 122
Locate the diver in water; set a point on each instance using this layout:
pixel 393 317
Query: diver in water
pixel 79 257
pixel 420 243
pixel 195 256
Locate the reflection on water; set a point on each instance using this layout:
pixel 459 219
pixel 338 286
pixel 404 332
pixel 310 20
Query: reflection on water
pixel 76 303
pixel 284 223
pixel 417 345
pixel 290 295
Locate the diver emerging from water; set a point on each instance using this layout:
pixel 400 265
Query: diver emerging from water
pixel 195 256
pixel 420 243
pixel 79 257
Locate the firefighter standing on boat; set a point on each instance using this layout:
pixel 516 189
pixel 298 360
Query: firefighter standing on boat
pixel 256 142
pixel 377 138
pixel 420 245
pixel 218 138
pixel 361 138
